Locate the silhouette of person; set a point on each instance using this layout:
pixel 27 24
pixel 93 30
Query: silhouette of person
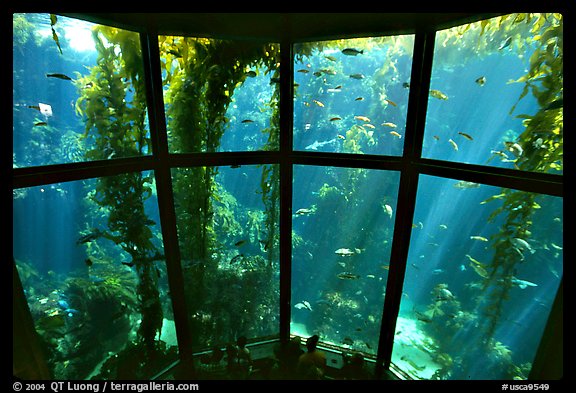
pixel 312 364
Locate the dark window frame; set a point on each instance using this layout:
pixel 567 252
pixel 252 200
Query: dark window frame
pixel 410 165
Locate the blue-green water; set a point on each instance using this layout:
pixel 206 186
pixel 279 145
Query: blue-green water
pixel 80 283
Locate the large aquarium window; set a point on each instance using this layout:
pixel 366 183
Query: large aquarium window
pixel 78 92
pixel 343 222
pixel 351 96
pixel 220 95
pixel 397 192
pixel 90 257
pixel 496 94
pixel 478 292
pixel 228 236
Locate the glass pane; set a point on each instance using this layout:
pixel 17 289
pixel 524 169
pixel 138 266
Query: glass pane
pixel 90 257
pixel 79 92
pixel 343 222
pixel 478 291
pixel 496 94
pixel 220 95
pixel 227 221
pixel 351 96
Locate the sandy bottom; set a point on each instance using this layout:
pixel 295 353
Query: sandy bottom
pixel 412 350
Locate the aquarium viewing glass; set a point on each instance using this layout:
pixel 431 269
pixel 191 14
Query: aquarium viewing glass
pixel 478 291
pixel 339 270
pixel 349 100
pixel 67 74
pixel 496 94
pixel 220 95
pixel 403 201
pixel 229 250
pixel 89 270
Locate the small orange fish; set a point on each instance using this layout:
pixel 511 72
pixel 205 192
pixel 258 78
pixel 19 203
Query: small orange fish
pixel 395 134
pixel 389 124
pixel 467 136
pixel 362 118
pixel 390 102
pixel 320 104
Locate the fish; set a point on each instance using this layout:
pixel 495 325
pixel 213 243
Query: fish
pixel 444 295
pixel 557 247
pixel 59 76
pixel 348 276
pixel 340 136
pixel 89 237
pixel 385 267
pixel 88 261
pixel 481 81
pixel 443 226
pixel 454 145
pixel 331 58
pixel 406 85
pixel 303 212
pixel 362 118
pixel 371 126
pixel 237 257
pixel 479 270
pixel 436 137
pixel 499 153
pixel 40 123
pixel 388 210
pixel 352 52
pixel 320 104
pixel 303 305
pixel 45 109
pixel 467 136
pixel 506 43
pixel 246 121
pixel 390 102
pixel 251 74
pixel 522 245
pixel 438 94
pixel 359 99
pixel 316 144
pixel 523 284
pixel 328 71
pixel 334 90
pixel 422 317
pixel 397 135
pixel 303 70
pixel 357 76
pixel 480 238
pixel 474 261
pixel 389 124
pixel 344 252
pixel 466 184
pixel 240 243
